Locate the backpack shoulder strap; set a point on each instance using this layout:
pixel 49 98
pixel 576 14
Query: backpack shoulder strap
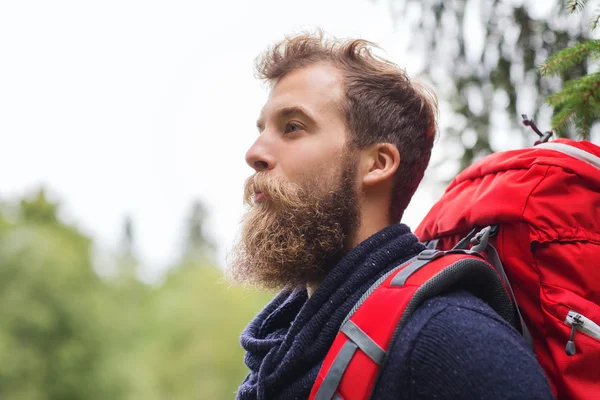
pixel 359 350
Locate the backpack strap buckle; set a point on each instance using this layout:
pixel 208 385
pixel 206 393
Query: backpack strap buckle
pixel 481 239
pixel 430 254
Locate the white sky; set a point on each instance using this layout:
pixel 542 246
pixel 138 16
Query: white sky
pixel 139 107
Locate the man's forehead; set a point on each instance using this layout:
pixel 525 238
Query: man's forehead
pixel 314 89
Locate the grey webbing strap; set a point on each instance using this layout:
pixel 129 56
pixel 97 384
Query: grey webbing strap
pixel 337 397
pixel 337 369
pixel 422 259
pixel 464 242
pixel 364 342
pixel 432 244
pixel 494 258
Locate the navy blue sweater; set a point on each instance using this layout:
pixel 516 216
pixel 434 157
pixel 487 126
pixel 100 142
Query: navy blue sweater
pixel 453 347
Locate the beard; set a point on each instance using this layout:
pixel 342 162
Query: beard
pixel 298 233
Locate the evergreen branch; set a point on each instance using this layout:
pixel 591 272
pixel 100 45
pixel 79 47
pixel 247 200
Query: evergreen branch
pixel 572 91
pixel 582 119
pixel 575 5
pixel 562 98
pixel 586 115
pixel 561 119
pixel 567 58
pixel 589 79
pixel 595 22
pixel 583 109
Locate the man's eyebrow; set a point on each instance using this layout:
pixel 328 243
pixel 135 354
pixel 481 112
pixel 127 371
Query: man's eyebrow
pixel 287 112
pixel 295 110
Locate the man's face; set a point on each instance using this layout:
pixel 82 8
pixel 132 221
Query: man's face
pixel 303 196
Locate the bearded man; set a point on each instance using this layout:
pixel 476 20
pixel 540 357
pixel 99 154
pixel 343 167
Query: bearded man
pixel 344 140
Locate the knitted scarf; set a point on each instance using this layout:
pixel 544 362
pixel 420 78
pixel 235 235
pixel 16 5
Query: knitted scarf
pixel 287 341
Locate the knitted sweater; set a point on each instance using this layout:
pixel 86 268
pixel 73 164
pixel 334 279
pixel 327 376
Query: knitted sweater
pixel 453 347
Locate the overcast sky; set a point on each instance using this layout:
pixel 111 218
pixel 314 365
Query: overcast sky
pixel 139 107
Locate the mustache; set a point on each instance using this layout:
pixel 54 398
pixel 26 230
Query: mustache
pixel 276 189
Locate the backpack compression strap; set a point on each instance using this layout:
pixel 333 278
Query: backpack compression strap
pixel 358 352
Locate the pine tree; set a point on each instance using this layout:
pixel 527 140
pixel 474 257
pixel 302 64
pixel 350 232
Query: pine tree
pixel 39 209
pixel 483 58
pixel 578 102
pixel 198 247
pixel 127 260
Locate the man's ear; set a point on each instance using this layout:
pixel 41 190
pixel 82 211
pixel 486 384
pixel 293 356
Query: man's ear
pixel 382 161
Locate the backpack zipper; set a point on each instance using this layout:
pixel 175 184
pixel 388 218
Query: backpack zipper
pixel 579 322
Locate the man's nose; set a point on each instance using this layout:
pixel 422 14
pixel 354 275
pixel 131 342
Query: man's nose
pixel 260 156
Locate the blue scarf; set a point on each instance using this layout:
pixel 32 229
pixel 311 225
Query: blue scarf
pixel 287 341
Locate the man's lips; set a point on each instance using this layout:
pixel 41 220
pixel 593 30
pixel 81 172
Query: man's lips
pixel 259 197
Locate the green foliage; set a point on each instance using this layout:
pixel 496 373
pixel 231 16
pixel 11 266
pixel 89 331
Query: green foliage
pixel 595 21
pixel 200 320
pixel 561 61
pixel 51 342
pixel 68 334
pixel 575 5
pixel 577 103
pixel 488 82
pixel 38 209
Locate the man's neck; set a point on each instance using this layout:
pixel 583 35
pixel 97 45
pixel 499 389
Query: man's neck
pixel 372 220
pixel 368 227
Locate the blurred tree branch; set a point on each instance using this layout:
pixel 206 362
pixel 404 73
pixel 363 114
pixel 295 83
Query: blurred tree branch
pixel 483 56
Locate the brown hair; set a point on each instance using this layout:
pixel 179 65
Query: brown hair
pixel 380 102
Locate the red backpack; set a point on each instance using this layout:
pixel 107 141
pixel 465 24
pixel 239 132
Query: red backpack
pixel 532 217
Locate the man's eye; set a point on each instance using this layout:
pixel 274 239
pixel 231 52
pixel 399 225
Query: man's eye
pixel 291 128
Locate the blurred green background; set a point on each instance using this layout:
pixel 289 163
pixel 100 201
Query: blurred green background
pixel 75 327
